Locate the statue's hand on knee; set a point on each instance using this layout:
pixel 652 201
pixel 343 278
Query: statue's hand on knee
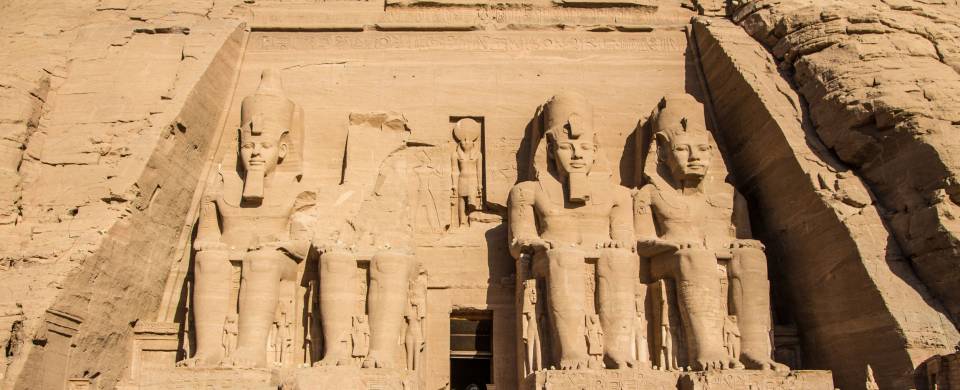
pixel 209 245
pixel 533 243
pixel 338 246
pixel 657 246
pixel 617 244
pixel 747 244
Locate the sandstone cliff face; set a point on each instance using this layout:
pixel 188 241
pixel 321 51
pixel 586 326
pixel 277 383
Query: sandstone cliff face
pixel 853 287
pixel 99 159
pixel 881 81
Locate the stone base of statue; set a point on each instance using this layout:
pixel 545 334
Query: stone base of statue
pixel 206 379
pixel 352 378
pixel 756 380
pixel 648 379
pixel 625 379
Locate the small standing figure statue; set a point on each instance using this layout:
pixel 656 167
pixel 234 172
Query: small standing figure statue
pixel 466 168
pixel 230 334
pixel 594 341
pixel 414 338
pixel 360 336
pixel 665 348
pixel 731 337
pixel 531 331
pixel 642 353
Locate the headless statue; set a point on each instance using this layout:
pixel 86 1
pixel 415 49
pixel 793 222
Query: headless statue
pixel 264 219
pixel 387 298
pixel 685 227
pixel 568 214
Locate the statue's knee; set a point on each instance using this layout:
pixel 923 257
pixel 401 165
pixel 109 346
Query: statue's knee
pixel 565 257
pixel 619 259
pixel 750 255
pixel 389 262
pixel 212 261
pixel 263 261
pixel 337 262
pixel 696 262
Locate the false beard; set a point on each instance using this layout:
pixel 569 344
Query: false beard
pixel 253 185
pixel 578 187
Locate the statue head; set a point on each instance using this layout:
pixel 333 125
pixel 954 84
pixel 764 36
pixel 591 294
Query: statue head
pixel 683 143
pixel 571 142
pixel 571 139
pixel 467 133
pixel 266 118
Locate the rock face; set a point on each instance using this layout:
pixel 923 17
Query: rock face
pixel 439 194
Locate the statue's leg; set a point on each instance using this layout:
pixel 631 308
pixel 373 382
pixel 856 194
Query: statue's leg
pixel 698 292
pixel 462 211
pixel 211 302
pixel 617 271
pixel 263 270
pixel 566 289
pixel 339 294
pixel 386 302
pixel 751 304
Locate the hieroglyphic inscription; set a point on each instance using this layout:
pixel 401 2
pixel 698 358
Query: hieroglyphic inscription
pixel 267 17
pixel 756 380
pixel 605 380
pixel 287 41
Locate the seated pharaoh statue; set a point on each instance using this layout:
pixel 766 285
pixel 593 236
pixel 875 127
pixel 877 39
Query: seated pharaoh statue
pixel 686 224
pixel 258 215
pixel 572 212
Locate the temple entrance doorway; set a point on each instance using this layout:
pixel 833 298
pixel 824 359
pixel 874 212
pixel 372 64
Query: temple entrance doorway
pixel 471 338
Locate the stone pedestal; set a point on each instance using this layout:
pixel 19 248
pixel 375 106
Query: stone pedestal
pixel 626 379
pixel 647 379
pixel 756 380
pixel 206 379
pixel 352 378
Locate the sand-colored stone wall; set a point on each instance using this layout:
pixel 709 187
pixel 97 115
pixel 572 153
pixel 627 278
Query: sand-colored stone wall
pixel 847 279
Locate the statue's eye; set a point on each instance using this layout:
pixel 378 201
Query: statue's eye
pixel 679 148
pixel 587 146
pixel 266 144
pixel 563 146
pixel 704 148
pixel 247 145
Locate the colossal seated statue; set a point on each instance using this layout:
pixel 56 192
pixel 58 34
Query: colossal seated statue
pixel 570 213
pixel 685 224
pixel 256 215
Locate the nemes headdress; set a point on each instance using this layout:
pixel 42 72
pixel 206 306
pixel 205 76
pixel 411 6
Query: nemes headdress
pixel 568 116
pixel 268 109
pixel 678 114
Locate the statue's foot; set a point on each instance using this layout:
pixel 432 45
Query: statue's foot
pixel 574 364
pixel 242 359
pixel 331 360
pixel 753 362
pixel 199 361
pixel 710 361
pixel 375 361
pixel 594 364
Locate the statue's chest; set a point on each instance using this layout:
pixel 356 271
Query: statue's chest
pixel 674 207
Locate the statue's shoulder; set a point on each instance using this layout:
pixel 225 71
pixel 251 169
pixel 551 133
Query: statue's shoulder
pixel 525 188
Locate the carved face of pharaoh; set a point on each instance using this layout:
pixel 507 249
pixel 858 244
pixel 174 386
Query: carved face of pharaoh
pixel 687 153
pixel 574 155
pixel 261 153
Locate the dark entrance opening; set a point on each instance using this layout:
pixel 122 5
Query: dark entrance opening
pixel 471 340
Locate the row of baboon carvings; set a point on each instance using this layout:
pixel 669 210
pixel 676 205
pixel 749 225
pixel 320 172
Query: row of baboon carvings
pixel 681 237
